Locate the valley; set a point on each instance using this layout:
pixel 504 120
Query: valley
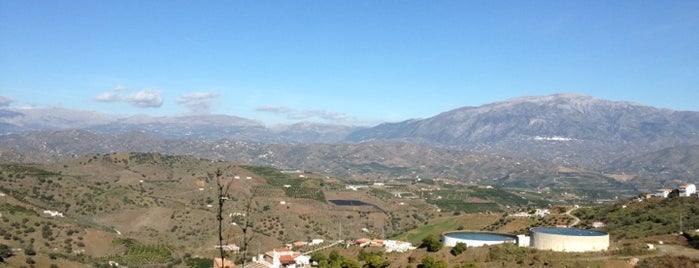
pixel 139 193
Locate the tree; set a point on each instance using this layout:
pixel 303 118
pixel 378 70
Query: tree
pixel 674 193
pixel 222 197
pixel 5 251
pixel 430 262
pixel 318 257
pixel 246 226
pixel 431 243
pixel 30 251
pixel 458 249
pixel 334 256
pixel 373 259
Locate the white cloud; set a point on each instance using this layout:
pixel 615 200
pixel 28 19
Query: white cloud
pixel 109 96
pixel 198 102
pixel 6 101
pixel 146 98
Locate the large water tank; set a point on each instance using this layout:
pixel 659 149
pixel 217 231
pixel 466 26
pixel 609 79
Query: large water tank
pixel 568 239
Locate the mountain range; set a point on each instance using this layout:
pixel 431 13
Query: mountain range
pixel 562 129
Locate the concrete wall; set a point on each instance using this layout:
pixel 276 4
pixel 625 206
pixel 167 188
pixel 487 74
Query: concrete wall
pixel 569 243
pixel 449 241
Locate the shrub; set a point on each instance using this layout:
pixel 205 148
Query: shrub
pixel 458 249
pixel 431 243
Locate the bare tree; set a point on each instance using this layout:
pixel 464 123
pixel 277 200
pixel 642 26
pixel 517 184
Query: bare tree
pixel 222 197
pixel 247 225
pixel 248 231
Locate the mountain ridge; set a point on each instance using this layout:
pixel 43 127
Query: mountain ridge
pixel 566 129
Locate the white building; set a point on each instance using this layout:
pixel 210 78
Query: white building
pixel 663 193
pixel 397 246
pixel 687 189
pixel 284 257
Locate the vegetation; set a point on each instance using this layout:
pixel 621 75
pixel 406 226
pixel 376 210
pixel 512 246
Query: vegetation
pixel 431 243
pixel 467 207
pixel 372 259
pixel 666 261
pixel 293 187
pixel 430 262
pixel 101 195
pixel 458 249
pixel 334 259
pixel 655 216
pixel 137 254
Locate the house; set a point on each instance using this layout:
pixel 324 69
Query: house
pixel 298 244
pixel 542 212
pixel 362 242
pixel 687 189
pixel 303 260
pixel 316 242
pixel 597 224
pixel 285 257
pixel 356 187
pixel 663 193
pixel 397 246
pixel 223 264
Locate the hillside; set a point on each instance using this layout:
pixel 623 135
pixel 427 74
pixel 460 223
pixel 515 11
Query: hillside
pixel 564 128
pixel 145 209
pixel 673 165
pixel 111 202
pixel 371 160
pixel 645 218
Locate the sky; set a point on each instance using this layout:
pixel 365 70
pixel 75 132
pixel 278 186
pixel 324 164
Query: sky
pixel 342 62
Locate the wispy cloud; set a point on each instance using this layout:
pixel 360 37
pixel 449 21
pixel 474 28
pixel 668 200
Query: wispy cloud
pixel 108 96
pixel 293 114
pixel 198 102
pixel 147 98
pixel 6 101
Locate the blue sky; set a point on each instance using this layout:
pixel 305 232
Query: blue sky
pixel 352 62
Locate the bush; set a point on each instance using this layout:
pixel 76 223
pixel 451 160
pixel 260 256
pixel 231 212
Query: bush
pixel 30 251
pixel 458 249
pixel 430 262
pixel 5 251
pixel 431 243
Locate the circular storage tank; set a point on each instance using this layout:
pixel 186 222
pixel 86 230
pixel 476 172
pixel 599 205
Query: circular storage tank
pixel 476 239
pixel 568 239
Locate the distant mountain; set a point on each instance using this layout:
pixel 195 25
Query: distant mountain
pixel 24 120
pixel 190 127
pixel 566 128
